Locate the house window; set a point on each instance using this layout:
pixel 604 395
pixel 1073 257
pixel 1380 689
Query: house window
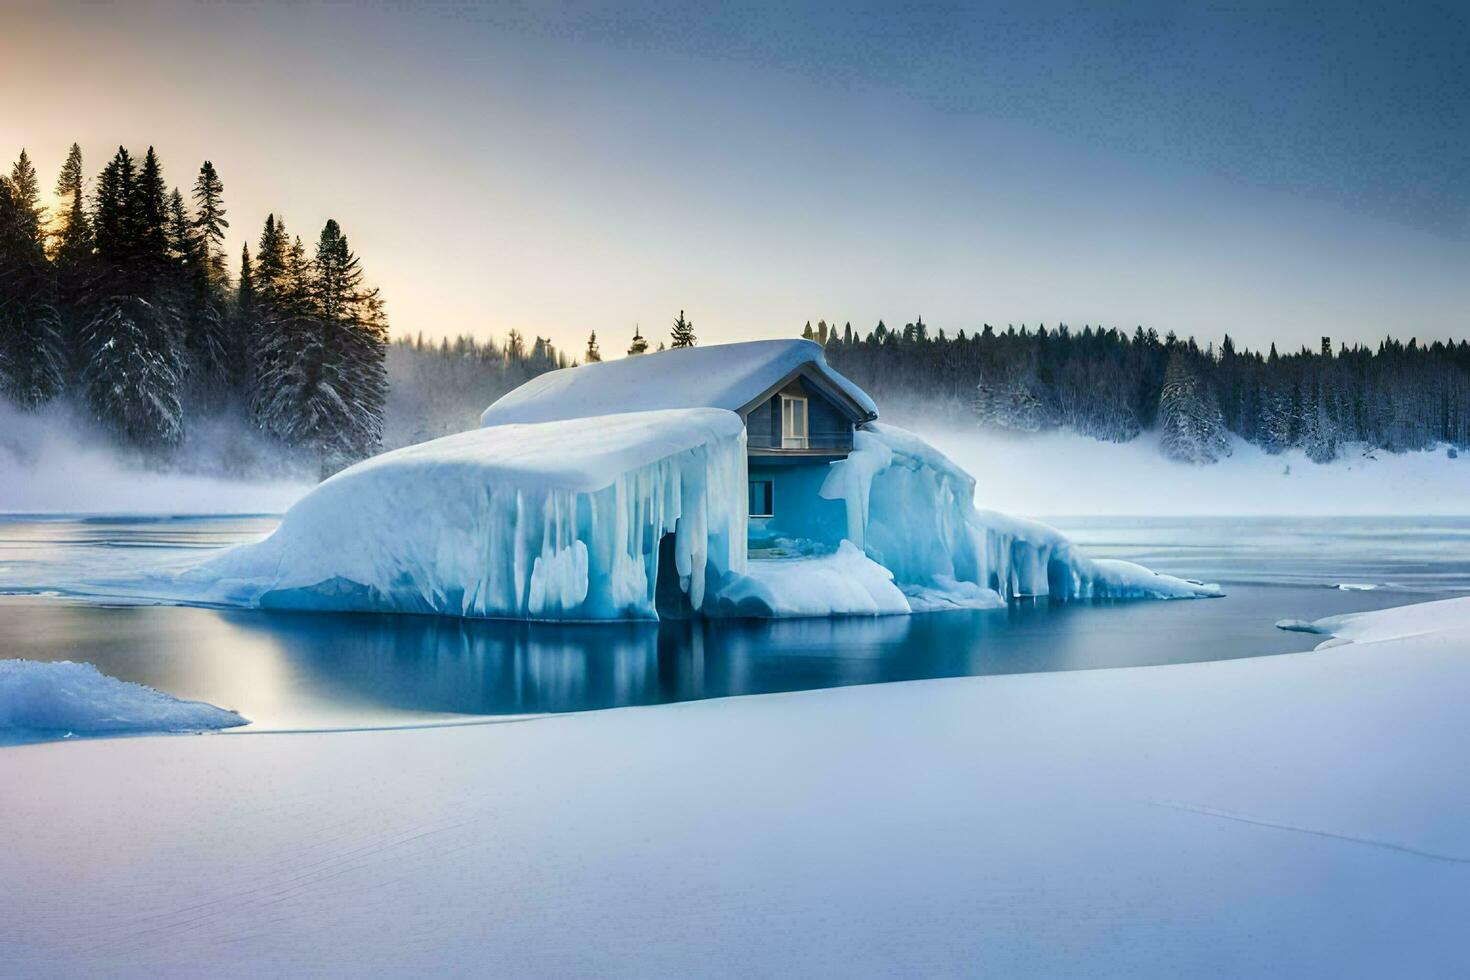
pixel 761 498
pixel 793 423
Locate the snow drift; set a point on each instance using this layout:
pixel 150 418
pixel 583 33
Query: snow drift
pixel 641 515
pixel 39 700
pixel 1443 619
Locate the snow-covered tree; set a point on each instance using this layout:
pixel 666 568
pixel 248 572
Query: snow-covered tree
pixel 323 382
pixel 1191 428
pixel 133 372
pixel 639 344
pixel 593 353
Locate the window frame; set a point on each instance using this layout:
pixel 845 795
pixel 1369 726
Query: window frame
pixel 790 437
pixel 770 496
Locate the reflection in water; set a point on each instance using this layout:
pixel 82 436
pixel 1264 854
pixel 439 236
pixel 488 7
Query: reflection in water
pixel 321 670
pixel 424 663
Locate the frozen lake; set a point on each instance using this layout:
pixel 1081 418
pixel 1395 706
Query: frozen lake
pixel 328 670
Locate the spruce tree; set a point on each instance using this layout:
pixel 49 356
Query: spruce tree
pixel 32 350
pixel 110 210
pixel 639 345
pixel 73 240
pixel 323 383
pixel 133 368
pixel 683 333
pixel 210 225
pixel 593 353
pixel 180 233
pixel 147 215
pixel 28 215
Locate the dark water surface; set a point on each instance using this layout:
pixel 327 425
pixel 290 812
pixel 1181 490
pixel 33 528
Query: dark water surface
pixel 324 670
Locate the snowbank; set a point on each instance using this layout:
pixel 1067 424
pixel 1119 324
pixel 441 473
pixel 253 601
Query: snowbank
pixel 561 520
pixel 1060 473
pixel 1287 816
pixel 727 376
pixel 1444 620
pixel 52 699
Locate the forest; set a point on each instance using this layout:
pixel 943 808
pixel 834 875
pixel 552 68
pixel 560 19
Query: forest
pixel 122 302
pixel 1110 385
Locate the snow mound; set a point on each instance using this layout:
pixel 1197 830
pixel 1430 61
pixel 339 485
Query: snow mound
pixel 39 698
pixel 727 376
pixel 1444 618
pixel 561 520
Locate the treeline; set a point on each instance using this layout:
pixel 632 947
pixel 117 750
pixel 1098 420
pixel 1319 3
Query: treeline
pixel 441 387
pixel 1111 385
pixel 123 299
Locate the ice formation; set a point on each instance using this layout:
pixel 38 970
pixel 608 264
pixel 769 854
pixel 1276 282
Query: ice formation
pixel 565 520
pixel 47 699
pixel 911 510
pixel 640 515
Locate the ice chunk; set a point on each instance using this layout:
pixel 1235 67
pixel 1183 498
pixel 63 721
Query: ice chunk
pixel 50 699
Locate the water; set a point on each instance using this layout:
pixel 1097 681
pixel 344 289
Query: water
pixel 330 670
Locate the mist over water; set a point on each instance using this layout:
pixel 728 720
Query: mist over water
pixel 56 460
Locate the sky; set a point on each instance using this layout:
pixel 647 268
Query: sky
pixel 1277 172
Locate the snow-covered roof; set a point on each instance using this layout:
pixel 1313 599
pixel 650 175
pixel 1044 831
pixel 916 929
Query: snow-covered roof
pixel 580 454
pixel 728 376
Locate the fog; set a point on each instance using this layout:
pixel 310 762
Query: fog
pixel 56 460
pixel 1060 473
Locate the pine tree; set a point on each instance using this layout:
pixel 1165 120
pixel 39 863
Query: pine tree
pixel 133 367
pixel 147 216
pixel 639 345
pixel 244 317
pixel 133 374
pixel 73 240
pixel 270 260
pixel 28 220
pixel 593 354
pixel 210 225
pixel 180 233
pixel 324 382
pixel 32 350
pixel 683 333
pixel 114 235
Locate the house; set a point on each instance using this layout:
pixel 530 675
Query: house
pixel 799 417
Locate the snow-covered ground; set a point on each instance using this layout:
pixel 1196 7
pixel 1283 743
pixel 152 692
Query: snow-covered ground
pixel 1056 473
pixel 1285 816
